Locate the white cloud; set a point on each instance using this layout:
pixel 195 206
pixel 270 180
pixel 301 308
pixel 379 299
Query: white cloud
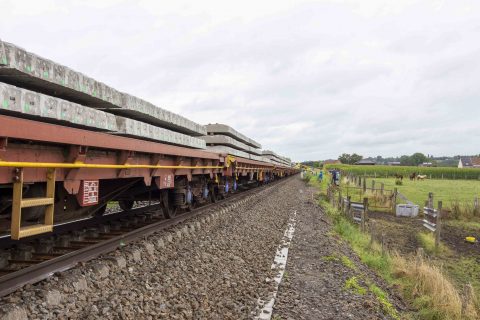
pixel 309 79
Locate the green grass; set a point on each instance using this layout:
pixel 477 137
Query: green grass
pixel 427 240
pixel 390 171
pixel 382 297
pixel 352 284
pixel 465 270
pixel 444 190
pixel 467 225
pixel 461 270
pixel 347 262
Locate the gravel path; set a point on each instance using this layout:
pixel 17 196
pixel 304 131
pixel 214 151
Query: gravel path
pixel 216 267
pixel 319 270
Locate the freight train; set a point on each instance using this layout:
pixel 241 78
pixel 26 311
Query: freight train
pixel 70 145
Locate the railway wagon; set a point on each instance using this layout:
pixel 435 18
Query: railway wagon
pixel 70 145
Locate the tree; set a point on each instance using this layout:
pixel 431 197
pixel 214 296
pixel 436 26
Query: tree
pixel 350 158
pixel 354 158
pixel 413 160
pixel 418 158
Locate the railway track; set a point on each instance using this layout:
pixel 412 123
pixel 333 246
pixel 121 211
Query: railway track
pixel 104 234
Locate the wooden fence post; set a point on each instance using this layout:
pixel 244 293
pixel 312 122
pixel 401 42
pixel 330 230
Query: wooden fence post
pixel 394 199
pixel 364 185
pixel 349 214
pixel 382 187
pixel 438 226
pixel 373 185
pixel 372 232
pixel 430 200
pixel 383 243
pixel 364 213
pixel 339 205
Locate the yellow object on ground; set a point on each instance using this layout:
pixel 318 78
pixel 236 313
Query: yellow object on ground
pixel 470 239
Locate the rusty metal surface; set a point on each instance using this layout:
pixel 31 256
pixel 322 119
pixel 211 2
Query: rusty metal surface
pixel 38 131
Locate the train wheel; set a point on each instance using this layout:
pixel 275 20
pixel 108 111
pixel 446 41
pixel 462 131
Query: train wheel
pixel 126 204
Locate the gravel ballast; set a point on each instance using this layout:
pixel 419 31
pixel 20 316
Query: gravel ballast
pixel 217 266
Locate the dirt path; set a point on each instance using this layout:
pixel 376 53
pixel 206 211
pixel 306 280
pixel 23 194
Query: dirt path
pixel 320 266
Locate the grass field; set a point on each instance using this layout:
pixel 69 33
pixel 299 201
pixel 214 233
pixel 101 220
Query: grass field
pixel 448 191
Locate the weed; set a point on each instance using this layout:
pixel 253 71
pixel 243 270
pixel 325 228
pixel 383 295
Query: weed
pixel 352 283
pixel 348 263
pixel 427 239
pixel 382 297
pixel 432 292
pixel 330 258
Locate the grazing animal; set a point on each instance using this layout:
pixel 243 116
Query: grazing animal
pixel 413 176
pixel 421 176
pixel 399 176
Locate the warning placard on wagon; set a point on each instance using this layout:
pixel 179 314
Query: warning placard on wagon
pixel 88 194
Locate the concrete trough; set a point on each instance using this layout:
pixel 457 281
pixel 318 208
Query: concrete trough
pixel 27 70
pixel 137 129
pixel 223 129
pixel 223 140
pixel 28 104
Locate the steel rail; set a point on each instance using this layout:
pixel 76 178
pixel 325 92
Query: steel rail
pixel 15 280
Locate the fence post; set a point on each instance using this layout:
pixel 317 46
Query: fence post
pixel 372 232
pixel 438 225
pixel 430 200
pixel 339 205
pixel 364 185
pixel 373 185
pixel 383 243
pixel 348 206
pixel 382 187
pixel 364 213
pixel 394 199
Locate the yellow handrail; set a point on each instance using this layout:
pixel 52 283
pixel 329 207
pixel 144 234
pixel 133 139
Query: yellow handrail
pixel 80 165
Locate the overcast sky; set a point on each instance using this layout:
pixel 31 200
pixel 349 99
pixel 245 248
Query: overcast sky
pixel 308 79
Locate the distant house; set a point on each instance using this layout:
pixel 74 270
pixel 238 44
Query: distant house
pixel 394 163
pixel 469 162
pixel 365 162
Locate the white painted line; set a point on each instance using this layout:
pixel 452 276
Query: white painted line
pixel 279 263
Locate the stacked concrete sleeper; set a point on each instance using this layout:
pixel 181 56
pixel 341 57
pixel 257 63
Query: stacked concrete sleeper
pixel 36 88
